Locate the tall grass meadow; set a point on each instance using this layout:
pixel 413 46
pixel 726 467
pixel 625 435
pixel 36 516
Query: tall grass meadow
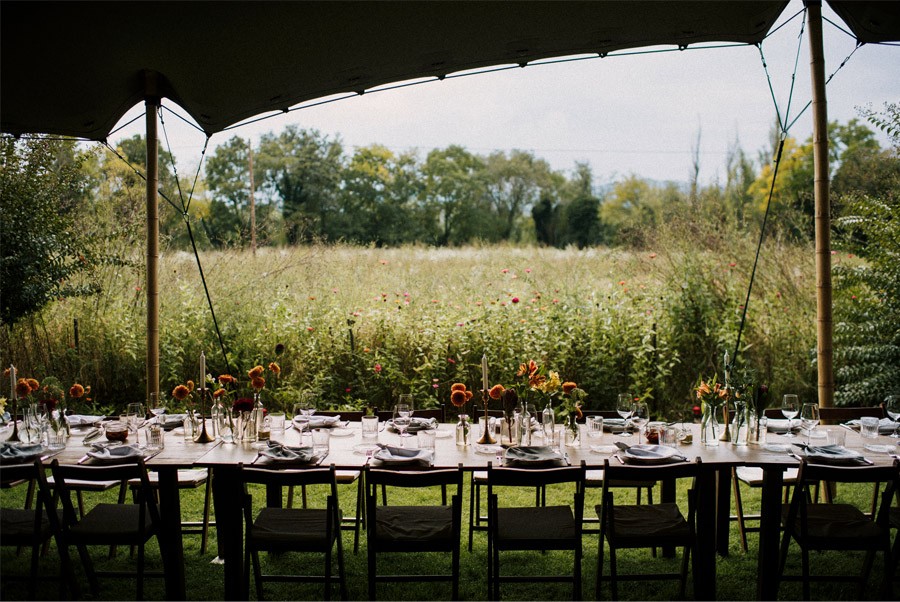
pixel 360 325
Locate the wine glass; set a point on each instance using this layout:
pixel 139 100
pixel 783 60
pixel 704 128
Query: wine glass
pixel 640 415
pixel 809 418
pixel 157 404
pixel 790 407
pixel 624 407
pixel 402 413
pixel 892 407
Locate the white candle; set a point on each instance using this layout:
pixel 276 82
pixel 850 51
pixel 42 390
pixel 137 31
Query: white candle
pixel 484 376
pixel 202 370
pixel 12 381
pixel 726 366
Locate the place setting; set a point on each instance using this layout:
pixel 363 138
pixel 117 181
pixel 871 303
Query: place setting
pixel 276 453
pixel 647 454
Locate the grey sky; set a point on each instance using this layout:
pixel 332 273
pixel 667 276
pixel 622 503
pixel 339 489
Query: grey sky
pixel 622 114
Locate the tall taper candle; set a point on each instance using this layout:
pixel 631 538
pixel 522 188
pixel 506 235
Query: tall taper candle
pixel 202 370
pixel 484 376
pixel 12 382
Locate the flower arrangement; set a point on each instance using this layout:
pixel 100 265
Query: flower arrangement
pixel 460 396
pixel 711 393
pixel 550 385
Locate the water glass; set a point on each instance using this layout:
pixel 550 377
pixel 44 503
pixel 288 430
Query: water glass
pixel 668 436
pixel 836 436
pixel 425 439
pixel 276 422
pixel 595 427
pixel 156 437
pixel 868 427
pixel 320 441
pixel 188 425
pixel 369 427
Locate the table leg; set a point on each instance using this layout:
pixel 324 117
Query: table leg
pixel 723 510
pixel 229 529
pixel 769 534
pixel 705 558
pixel 171 544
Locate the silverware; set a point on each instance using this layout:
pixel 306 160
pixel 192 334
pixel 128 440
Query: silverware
pixel 51 454
pixel 153 455
pixel 84 459
pixel 619 458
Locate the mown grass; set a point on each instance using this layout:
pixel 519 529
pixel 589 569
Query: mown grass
pixel 735 580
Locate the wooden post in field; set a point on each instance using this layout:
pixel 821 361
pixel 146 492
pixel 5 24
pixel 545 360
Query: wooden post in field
pixel 825 328
pixel 252 204
pixel 152 103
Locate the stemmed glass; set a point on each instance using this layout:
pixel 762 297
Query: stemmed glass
pixel 640 415
pixel 157 405
pixel 790 406
pixel 402 418
pixel 892 407
pixel 625 407
pixel 809 418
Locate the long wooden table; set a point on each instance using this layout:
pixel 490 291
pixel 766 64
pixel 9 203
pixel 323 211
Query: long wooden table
pixel 712 515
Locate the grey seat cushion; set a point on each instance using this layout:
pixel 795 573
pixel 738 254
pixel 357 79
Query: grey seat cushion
pixel 414 524
pixel 659 521
pixel 545 523
pixel 296 527
pixel 111 523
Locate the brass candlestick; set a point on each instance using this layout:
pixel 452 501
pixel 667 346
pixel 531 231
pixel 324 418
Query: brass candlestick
pixel 14 436
pixel 486 438
pixel 204 436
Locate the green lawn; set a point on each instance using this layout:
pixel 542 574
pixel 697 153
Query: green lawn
pixel 736 574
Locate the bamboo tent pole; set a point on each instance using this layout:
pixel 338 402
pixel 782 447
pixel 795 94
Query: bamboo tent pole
pixel 152 106
pixel 825 327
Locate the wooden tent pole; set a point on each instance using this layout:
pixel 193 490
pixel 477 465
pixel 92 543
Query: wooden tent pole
pixel 825 328
pixel 152 105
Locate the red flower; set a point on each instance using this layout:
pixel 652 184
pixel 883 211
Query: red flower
pixel 242 404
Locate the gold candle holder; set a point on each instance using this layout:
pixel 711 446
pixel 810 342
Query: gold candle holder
pixel 486 438
pixel 204 436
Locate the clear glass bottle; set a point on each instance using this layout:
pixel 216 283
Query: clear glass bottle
pixel 548 421
pixel 257 417
pixel 525 426
pixel 462 430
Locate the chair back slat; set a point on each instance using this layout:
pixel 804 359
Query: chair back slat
pixel 534 477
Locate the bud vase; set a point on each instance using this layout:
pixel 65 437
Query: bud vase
pixel 740 426
pixel 573 435
pixel 709 427
pixel 462 430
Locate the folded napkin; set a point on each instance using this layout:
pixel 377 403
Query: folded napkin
pixel 82 420
pixel 651 454
pixel 317 422
pixel 10 453
pixel 416 424
pixel 171 421
pixel 886 426
pixel 390 455
pixel 114 454
pixel 781 426
pixel 284 454
pixel 833 454
pixel 614 425
pixel 532 457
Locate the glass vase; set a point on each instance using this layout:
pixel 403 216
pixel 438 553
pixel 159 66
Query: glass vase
pixel 548 421
pixel 573 435
pixel 709 427
pixel 740 426
pixel 462 430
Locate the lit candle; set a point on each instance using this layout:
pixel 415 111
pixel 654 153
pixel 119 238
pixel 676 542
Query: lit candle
pixel 484 376
pixel 202 370
pixel 12 381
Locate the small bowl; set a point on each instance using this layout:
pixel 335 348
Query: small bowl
pixel 117 431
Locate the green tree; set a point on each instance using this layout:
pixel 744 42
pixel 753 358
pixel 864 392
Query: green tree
pixel 302 169
pixel 453 190
pixel 514 184
pixel 43 249
pixel 867 296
